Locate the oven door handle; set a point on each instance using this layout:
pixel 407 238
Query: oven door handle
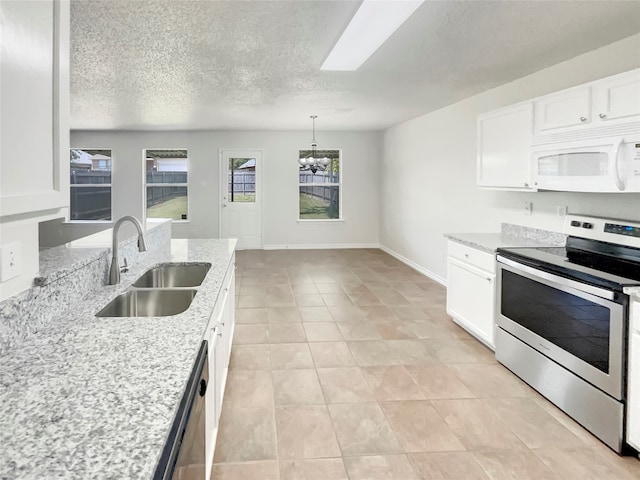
pixel 565 282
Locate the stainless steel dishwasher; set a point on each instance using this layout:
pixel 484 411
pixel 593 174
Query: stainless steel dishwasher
pixel 183 456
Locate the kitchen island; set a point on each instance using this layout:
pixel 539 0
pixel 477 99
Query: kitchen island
pixel 87 397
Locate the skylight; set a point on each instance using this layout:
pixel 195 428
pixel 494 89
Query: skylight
pixel 374 22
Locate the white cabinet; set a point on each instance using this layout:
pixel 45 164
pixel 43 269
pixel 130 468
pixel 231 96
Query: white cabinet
pixel 34 122
pixel 220 335
pixel 567 108
pixel 608 101
pixel 471 290
pixel 617 98
pixel 633 376
pixel 504 147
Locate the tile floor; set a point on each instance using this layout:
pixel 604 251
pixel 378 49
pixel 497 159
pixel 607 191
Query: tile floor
pixel 345 366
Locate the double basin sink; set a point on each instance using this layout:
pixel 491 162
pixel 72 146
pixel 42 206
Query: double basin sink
pixel 166 289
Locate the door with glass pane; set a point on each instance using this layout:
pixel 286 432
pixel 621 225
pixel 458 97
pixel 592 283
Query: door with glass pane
pixel 240 205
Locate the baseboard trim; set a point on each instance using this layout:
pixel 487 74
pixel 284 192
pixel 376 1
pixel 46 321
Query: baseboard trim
pixel 415 266
pixel 321 246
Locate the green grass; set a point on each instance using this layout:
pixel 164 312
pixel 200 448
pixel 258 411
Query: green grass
pixel 314 208
pixel 173 208
pixel 239 197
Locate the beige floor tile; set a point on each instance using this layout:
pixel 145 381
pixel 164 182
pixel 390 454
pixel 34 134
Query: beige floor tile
pixel 245 434
pixel 373 353
pixel 429 329
pixel 322 332
pixel 315 469
pixel 419 427
pixel 286 333
pixel 245 334
pixel 393 298
pixel 379 313
pixel 331 354
pixel 365 299
pixel 246 471
pixel 380 467
pixel 412 352
pixel 491 380
pixel 279 300
pixel 315 314
pixel 347 313
pixel 329 288
pixel 250 357
pixel 286 356
pixel 305 431
pixel 283 315
pixel 304 288
pixel 251 315
pixel 475 425
pixel 583 464
pixel 252 290
pixel 439 382
pixel 362 429
pixel 448 466
pixel 334 299
pixel 394 330
pixel 309 300
pixel 535 427
pixel 323 278
pixel 359 331
pixel 344 385
pixel 249 388
pixel 513 464
pixel 410 312
pixel 453 350
pixel 390 383
pixel 294 387
pixel 252 301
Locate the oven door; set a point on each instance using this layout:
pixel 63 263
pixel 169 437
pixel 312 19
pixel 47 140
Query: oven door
pixel 579 326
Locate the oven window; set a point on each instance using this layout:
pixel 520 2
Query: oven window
pixel 572 323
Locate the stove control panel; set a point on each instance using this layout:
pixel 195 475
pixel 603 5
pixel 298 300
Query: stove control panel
pixel 619 229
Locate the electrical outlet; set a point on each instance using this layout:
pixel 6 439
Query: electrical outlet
pixel 10 261
pixel 528 207
pixel 562 211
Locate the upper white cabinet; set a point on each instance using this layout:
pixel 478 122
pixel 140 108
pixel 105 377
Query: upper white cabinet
pixel 34 89
pixel 614 99
pixel 563 109
pixel 617 98
pixel 504 147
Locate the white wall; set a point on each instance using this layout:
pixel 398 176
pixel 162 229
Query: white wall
pixel 429 167
pixel 360 202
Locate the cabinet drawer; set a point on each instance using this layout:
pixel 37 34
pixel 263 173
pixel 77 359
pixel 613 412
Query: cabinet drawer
pixel 477 258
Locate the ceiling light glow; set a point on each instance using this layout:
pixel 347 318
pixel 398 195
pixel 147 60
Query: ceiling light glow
pixel 374 22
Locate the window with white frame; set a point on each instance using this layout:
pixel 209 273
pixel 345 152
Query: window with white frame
pixel 166 183
pixel 90 184
pixel 320 186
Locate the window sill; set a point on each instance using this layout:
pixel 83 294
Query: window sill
pixel 321 220
pixel 87 222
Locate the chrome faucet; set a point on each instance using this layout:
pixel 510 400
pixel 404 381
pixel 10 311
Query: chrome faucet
pixel 114 271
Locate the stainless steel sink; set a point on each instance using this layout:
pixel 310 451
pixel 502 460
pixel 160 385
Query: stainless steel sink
pixel 173 275
pixel 148 303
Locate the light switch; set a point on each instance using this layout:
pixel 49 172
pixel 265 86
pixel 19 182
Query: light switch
pixel 10 261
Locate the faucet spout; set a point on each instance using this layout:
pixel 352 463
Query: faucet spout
pixel 114 271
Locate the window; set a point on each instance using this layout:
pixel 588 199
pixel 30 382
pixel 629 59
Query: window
pixel 90 184
pixel 242 180
pixel 320 191
pixel 166 184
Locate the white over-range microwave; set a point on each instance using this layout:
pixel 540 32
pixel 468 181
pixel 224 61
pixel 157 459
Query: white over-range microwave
pixel 596 164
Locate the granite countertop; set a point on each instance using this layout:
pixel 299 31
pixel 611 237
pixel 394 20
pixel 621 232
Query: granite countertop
pixel 90 397
pixel 490 242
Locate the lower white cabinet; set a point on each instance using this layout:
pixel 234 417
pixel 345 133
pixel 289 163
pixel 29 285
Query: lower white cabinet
pixel 633 377
pixel 471 290
pixel 220 336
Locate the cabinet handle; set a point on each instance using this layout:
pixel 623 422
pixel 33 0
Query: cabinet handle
pixel 603 115
pixel 526 184
pixel 488 279
pixel 466 255
pixel 583 119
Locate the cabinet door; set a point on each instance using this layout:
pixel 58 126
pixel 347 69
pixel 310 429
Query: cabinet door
pixel 633 407
pixel 470 299
pixel 617 98
pixel 504 147
pixel 34 123
pixel 211 413
pixel 563 109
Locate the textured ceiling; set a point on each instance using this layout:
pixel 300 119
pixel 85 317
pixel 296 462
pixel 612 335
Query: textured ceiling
pixel 151 64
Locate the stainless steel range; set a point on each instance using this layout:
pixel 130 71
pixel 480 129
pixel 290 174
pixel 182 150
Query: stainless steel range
pixel 562 321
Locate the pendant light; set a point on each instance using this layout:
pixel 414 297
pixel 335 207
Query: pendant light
pixel 313 161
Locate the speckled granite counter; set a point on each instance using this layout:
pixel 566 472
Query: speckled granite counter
pixel 89 397
pixel 511 236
